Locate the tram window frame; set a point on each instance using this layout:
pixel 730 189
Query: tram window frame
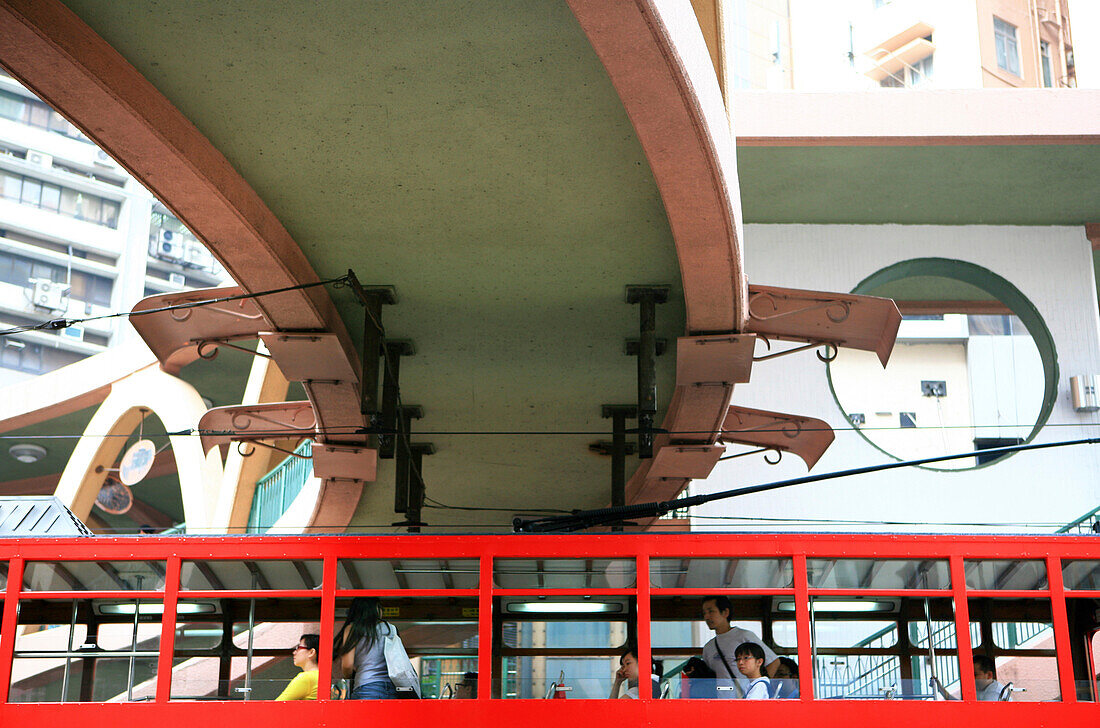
pixel 273 648
pixel 90 611
pixel 212 576
pixel 990 608
pixel 626 614
pixel 755 610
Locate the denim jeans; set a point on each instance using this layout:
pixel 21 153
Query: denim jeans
pixel 374 691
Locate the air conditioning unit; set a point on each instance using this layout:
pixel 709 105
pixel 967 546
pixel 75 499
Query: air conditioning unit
pixel 49 295
pixel 39 158
pixel 199 257
pixel 177 280
pixel 170 247
pixel 103 159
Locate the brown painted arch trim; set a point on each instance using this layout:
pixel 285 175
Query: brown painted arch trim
pixel 56 55
pixel 658 62
pixel 657 59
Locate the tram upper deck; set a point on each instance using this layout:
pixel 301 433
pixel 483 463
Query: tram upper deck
pixel 882 626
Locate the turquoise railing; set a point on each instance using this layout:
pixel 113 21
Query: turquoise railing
pixel 277 490
pixel 1088 523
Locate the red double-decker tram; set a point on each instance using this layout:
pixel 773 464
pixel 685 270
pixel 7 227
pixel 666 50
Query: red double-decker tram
pixel 883 628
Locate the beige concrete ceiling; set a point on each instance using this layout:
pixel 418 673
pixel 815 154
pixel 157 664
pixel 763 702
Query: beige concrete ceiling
pixel 477 157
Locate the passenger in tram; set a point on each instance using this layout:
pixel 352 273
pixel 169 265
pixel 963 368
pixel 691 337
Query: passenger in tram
pixel 467 687
pixel 750 662
pixel 359 647
pixel 628 673
pixel 985 678
pixel 304 684
pixel 700 679
pixel 718 653
pixel 785 682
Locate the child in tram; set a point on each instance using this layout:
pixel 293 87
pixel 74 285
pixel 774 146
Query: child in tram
pixel 304 684
pixel 786 675
pixel 628 673
pixel 750 662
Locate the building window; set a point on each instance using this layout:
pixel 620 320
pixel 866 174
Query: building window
pixel 23 356
pixel 1048 71
pixel 912 76
pixel 87 287
pixel 1008 50
pixel 29 191
pixel 33 112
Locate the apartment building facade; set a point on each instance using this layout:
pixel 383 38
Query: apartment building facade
pixel 79 237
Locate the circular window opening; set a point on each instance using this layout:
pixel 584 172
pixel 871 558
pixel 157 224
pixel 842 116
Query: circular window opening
pixel 974 366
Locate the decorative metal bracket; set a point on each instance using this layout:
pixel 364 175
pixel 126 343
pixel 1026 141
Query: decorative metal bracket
pixel 249 423
pixel 829 306
pixel 805 437
pixel 819 318
pixel 170 333
pixel 778 455
pixel 831 351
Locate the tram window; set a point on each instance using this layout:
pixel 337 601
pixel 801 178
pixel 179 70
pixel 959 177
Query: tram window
pixel 1015 574
pixel 3 576
pixel 888 656
pixel 1081 575
pixel 85 650
pixel 407 574
pixel 721 573
pixel 1084 638
pixel 561 645
pixel 256 663
pixel 564 573
pixel 679 632
pixel 1017 635
pixel 533 663
pixel 438 633
pixel 217 575
pixel 93 576
pixel 878 574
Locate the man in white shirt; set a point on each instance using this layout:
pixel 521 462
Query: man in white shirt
pixel 985 679
pixel 719 652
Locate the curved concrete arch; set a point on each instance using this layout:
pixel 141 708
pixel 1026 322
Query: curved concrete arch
pixel 658 61
pixel 654 54
pixel 55 54
pixel 179 406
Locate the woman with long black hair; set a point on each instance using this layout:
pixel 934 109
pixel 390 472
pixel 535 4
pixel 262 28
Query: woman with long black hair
pixel 358 646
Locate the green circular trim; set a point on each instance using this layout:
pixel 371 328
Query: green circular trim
pixel 995 286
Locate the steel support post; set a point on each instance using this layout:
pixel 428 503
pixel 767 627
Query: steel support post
pixel 647 298
pixel 372 299
pixel 403 455
pixel 391 393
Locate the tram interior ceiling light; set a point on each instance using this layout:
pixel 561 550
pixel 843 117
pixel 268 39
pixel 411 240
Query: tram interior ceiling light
pixel 27 453
pixel 846 606
pixel 154 608
pixel 586 607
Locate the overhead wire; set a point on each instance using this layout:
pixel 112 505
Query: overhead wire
pixel 62 323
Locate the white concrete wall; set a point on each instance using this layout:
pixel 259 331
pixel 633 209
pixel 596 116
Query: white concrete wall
pixel 1051 266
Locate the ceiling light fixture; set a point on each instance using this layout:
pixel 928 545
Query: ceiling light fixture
pixel 564 608
pixel 27 453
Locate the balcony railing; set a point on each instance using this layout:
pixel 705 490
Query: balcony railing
pixel 278 489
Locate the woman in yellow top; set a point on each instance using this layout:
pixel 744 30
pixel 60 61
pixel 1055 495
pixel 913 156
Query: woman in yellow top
pixel 304 685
